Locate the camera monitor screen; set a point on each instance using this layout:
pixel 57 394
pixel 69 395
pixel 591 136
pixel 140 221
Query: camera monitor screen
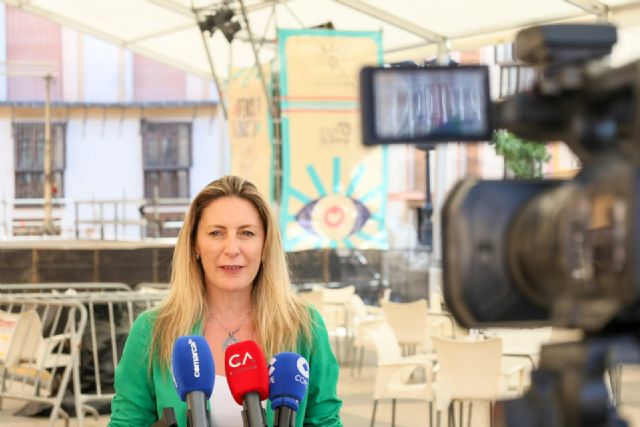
pixel 432 104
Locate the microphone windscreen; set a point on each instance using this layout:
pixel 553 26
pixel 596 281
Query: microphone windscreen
pixel 246 370
pixel 192 366
pixel 288 380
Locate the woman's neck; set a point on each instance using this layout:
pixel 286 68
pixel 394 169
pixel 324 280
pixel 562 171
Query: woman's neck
pixel 229 305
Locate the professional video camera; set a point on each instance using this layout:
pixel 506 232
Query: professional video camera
pixel 546 252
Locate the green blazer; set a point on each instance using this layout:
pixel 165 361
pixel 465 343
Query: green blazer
pixel 141 394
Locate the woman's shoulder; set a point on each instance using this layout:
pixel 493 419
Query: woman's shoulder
pixel 143 325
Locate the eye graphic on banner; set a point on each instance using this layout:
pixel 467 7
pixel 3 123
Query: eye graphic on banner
pixel 335 216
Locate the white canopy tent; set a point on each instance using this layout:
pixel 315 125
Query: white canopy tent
pixel 167 30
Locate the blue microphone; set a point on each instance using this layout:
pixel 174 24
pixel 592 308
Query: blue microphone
pixel 288 380
pixel 193 375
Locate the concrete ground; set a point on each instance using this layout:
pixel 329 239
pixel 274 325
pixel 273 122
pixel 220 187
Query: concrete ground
pixel 356 392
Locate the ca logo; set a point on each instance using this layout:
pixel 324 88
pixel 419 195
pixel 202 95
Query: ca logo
pixel 303 367
pixel 238 360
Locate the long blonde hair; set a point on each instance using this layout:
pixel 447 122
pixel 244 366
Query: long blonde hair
pixel 280 317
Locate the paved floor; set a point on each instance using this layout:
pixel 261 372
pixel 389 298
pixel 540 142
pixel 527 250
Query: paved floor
pixel 356 393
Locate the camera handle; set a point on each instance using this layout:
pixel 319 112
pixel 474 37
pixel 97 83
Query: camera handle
pixel 569 389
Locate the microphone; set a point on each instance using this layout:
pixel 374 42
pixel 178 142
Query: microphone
pixel 193 375
pixel 288 380
pixel 246 370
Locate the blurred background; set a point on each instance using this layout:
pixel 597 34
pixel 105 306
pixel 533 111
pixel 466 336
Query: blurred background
pixel 114 114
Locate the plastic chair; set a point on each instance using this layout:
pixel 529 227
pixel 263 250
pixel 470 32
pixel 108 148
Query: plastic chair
pixel 29 356
pixel 409 324
pixel 394 371
pixel 469 371
pixel 413 334
pixel 335 309
pixel 313 298
pixel 362 317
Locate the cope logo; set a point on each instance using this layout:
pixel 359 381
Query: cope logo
pixel 303 369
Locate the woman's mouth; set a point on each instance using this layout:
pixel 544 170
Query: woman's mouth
pixel 231 268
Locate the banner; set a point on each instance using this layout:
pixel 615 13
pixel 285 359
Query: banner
pixel 250 129
pixel 334 189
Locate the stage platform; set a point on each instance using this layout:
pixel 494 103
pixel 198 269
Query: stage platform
pixel 51 260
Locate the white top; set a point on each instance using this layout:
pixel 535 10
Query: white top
pixel 225 412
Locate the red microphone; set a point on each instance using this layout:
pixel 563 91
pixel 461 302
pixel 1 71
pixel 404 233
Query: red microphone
pixel 246 370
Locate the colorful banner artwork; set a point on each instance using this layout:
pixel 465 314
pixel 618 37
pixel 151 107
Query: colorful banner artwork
pixel 250 129
pixel 334 190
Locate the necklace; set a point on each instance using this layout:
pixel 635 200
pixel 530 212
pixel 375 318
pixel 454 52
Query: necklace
pixel 231 334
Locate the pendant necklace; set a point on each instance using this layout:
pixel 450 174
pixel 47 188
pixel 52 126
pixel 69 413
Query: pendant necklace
pixel 231 335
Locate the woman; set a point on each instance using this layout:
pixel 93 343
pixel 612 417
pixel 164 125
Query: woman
pixel 230 283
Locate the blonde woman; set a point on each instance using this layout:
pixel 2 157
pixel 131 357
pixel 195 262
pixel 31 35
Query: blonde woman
pixel 229 282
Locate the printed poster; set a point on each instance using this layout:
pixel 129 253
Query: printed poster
pixel 334 189
pixel 250 129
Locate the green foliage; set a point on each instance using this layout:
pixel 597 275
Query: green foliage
pixel 523 158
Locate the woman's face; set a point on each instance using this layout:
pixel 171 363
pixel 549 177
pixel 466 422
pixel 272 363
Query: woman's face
pixel 229 240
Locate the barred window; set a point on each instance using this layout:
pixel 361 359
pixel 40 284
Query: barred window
pixel 167 159
pixel 29 156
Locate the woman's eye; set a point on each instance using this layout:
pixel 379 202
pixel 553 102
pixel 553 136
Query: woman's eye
pixel 248 233
pixel 215 233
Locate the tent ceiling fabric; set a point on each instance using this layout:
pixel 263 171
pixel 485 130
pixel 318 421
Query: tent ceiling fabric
pixel 167 31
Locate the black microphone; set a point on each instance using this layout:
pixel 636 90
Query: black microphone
pixel 193 375
pixel 288 380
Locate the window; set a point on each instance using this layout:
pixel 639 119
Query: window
pixel 29 152
pixel 167 158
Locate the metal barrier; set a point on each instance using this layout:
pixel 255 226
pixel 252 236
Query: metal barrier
pixel 39 349
pixel 110 315
pixel 121 309
pixel 21 288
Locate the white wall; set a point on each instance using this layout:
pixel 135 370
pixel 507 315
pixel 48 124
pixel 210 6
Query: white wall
pixel 101 70
pixel 3 53
pixel 210 147
pixel 7 176
pixel 104 161
pixel 70 64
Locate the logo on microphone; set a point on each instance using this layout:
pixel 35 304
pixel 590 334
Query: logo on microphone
pixel 238 360
pixel 195 357
pixel 303 368
pixel 272 368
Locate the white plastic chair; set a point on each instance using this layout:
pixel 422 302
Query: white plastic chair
pixel 313 298
pixel 30 356
pixel 335 310
pixel 393 372
pixel 409 324
pixel 413 325
pixel 470 371
pixel 361 317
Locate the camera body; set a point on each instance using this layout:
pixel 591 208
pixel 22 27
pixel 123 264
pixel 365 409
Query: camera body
pixel 539 252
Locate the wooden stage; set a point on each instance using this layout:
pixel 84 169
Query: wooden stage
pixel 50 260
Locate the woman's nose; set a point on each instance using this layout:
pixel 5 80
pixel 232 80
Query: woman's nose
pixel 231 244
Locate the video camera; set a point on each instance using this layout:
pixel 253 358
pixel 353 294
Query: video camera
pixel 537 252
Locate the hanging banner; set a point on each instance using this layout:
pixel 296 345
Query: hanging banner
pixel 250 129
pixel 334 189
